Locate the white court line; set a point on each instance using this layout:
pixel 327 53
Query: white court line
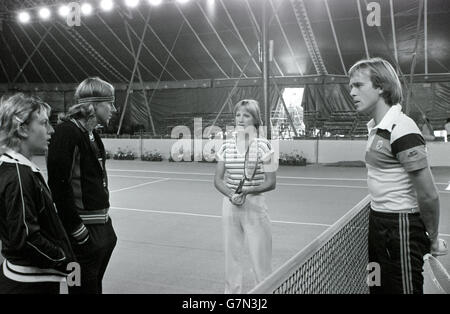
pixel 138 185
pixel 215 216
pixel 278 183
pixel 280 177
pixel 323 185
pixel 169 172
pixel 212 216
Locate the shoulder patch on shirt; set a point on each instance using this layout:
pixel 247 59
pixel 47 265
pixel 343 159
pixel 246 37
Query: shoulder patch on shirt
pixel 412 153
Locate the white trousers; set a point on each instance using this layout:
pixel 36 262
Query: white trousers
pixel 248 223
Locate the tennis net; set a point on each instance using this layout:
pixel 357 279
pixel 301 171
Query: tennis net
pixel 334 263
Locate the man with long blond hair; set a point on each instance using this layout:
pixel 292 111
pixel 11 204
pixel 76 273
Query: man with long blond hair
pixel 78 180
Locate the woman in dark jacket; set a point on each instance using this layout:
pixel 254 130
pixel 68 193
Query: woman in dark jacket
pixel 35 247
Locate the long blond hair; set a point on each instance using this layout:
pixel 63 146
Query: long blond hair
pixel 91 91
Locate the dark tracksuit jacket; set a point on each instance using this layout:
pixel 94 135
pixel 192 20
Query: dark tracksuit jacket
pixel 78 180
pixel 35 245
pixel 77 177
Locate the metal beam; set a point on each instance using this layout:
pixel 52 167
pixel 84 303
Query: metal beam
pixel 147 105
pixel 36 50
pixel 67 54
pixel 167 61
pixel 200 41
pixel 280 94
pixel 79 52
pixel 395 55
pixel 330 18
pixel 362 29
pixel 233 89
pixel 28 57
pixel 94 53
pixel 425 31
pixel 124 45
pixel 265 62
pixel 257 32
pixel 391 5
pixel 49 48
pixel 414 59
pixel 287 81
pixel 12 55
pixel 220 39
pixel 107 49
pixel 277 18
pixel 168 51
pixel 236 30
pixel 136 62
pixel 4 71
pixel 147 49
pixel 303 23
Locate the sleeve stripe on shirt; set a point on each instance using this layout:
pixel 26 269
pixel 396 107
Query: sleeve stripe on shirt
pixel 406 142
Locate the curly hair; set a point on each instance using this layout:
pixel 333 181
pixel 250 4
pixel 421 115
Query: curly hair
pixel 15 111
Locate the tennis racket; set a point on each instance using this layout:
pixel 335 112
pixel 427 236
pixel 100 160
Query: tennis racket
pixel 436 279
pixel 251 162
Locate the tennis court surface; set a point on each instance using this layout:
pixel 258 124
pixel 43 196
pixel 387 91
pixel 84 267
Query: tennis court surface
pixel 167 218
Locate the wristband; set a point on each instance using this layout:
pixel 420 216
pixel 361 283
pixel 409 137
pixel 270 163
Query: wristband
pixel 433 236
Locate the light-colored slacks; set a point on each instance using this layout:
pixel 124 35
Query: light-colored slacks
pixel 249 224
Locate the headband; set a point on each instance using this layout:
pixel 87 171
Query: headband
pixel 95 99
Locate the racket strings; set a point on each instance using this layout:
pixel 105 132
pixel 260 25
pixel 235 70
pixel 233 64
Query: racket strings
pixel 251 163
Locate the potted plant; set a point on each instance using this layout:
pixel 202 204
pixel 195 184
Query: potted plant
pixel 292 159
pixel 152 156
pixel 123 155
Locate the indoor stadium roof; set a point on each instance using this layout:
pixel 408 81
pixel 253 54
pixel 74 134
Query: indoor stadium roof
pixel 214 39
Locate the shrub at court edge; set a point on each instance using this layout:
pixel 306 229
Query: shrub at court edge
pixel 292 159
pixel 152 156
pixel 123 155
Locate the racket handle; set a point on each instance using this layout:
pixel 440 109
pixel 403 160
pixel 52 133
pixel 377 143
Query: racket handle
pixel 239 188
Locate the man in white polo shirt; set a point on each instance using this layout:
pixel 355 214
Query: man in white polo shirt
pixel 404 216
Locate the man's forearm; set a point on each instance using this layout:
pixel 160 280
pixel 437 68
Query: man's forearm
pixel 429 212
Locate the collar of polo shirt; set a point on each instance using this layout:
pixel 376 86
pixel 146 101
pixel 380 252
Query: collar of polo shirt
pixel 388 120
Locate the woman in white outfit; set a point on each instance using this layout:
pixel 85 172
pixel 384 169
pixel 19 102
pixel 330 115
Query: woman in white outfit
pixel 246 221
